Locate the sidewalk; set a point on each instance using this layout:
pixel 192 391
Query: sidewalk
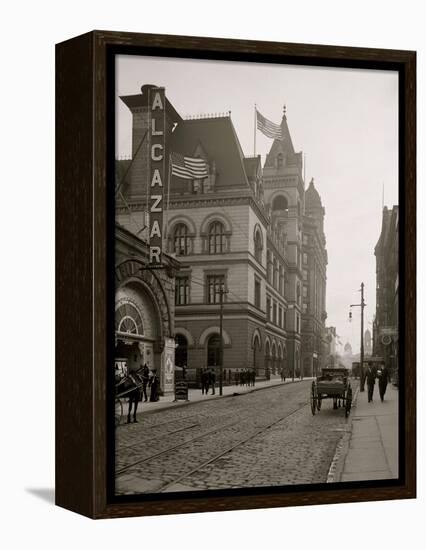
pixel 373 445
pixel 195 395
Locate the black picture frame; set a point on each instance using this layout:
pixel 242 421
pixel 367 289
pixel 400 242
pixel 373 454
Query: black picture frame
pixel 84 284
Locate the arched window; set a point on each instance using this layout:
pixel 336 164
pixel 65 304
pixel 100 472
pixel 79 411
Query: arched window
pixel 275 280
pixel 128 319
pixel 258 246
pixel 267 361
pixel 280 160
pixel 213 351
pixel 281 282
pixel 181 353
pixel 280 203
pixel 216 238
pixel 181 240
pixel 256 348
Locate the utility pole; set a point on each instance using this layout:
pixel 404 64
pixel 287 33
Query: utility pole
pixel 361 358
pixel 222 291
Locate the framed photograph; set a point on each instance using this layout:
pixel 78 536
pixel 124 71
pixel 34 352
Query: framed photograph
pixel 236 303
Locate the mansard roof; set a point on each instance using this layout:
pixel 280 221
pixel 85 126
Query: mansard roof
pixel 217 138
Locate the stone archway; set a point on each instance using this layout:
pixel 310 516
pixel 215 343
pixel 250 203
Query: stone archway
pixel 143 322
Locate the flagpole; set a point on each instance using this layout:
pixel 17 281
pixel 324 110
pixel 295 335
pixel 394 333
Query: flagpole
pixel 168 201
pixel 255 124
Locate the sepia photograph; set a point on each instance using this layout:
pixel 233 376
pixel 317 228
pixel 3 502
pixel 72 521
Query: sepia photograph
pixel 256 255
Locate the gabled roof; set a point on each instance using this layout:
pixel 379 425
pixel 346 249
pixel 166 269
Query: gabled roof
pixel 216 137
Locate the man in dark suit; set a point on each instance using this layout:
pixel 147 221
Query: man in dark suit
pixel 383 380
pixel 371 380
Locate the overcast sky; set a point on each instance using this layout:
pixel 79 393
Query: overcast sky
pixel 344 120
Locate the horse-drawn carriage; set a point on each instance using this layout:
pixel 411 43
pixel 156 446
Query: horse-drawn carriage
pixel 333 383
pixel 127 386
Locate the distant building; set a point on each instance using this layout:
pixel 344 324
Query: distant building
pixel 252 232
pixel 368 345
pixel 385 328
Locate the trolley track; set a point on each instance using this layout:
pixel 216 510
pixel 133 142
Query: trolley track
pixel 207 433
pixel 229 450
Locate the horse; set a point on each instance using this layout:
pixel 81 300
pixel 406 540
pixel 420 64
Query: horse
pixel 130 386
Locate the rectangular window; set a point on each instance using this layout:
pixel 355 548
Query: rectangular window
pixel 285 319
pixel 297 323
pixel 305 291
pixel 274 314
pixel 268 308
pixel 305 239
pixel 257 292
pixel 280 317
pixel 215 283
pixel 305 258
pixel 305 307
pixel 181 291
pixel 305 274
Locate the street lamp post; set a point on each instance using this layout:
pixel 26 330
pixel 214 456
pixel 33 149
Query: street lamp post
pixel 222 291
pixel 361 358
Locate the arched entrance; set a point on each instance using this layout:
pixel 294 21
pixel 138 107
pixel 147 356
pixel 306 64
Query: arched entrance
pixel 181 353
pixel 256 354
pixel 213 351
pixel 267 360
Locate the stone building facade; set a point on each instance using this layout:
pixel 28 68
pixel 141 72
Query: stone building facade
pixel 144 308
pixel 239 230
pixel 385 326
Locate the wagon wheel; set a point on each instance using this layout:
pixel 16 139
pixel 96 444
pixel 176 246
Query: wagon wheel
pixel 319 402
pixel 348 402
pixel 118 411
pixel 314 398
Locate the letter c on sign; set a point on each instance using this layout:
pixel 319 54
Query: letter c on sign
pixel 154 155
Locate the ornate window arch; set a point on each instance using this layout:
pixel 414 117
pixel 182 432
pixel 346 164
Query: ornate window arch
pixel 216 238
pixel 181 240
pixel 128 319
pixel 258 244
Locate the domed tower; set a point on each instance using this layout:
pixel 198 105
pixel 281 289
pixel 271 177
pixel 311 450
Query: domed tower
pixel 314 207
pixel 314 273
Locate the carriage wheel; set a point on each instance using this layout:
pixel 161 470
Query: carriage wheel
pixel 348 402
pixel 319 402
pixel 314 398
pixel 118 411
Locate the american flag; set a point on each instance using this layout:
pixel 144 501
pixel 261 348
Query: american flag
pixel 188 168
pixel 268 128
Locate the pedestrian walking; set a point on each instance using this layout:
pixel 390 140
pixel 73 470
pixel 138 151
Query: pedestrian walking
pixel 204 382
pixel 154 383
pixel 383 376
pixel 371 380
pixel 212 381
pixel 145 380
pixel 282 375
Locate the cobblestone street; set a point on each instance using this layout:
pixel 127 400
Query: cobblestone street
pixel 264 438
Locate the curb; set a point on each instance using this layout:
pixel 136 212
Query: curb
pixel 336 467
pixel 173 405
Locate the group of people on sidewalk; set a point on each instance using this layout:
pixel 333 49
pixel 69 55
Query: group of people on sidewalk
pixel 382 375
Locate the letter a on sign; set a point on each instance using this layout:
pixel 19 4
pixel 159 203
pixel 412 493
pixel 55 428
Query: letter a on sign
pixel 157 146
pixel 157 103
